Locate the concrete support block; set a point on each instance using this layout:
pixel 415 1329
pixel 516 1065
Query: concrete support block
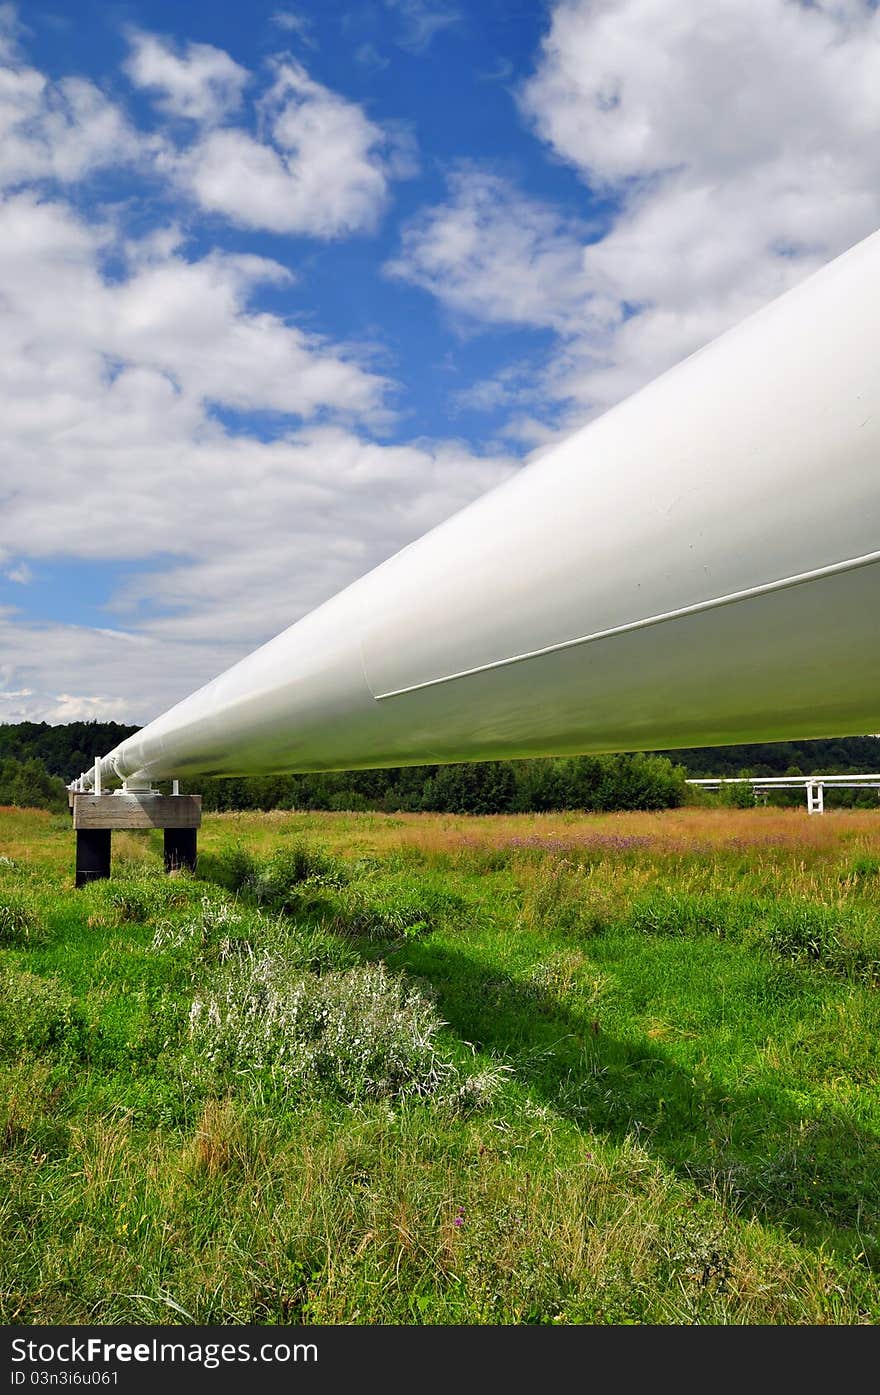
pixel 137 810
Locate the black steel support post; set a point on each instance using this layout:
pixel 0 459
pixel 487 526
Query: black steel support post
pixel 180 849
pixel 92 855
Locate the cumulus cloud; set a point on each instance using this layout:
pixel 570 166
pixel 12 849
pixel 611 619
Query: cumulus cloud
pixel 199 82
pixel 257 533
pixel 627 90
pixel 65 673
pixel 60 131
pixel 493 254
pixel 129 371
pixel 321 167
pixel 303 160
pixel 11 30
pixel 317 164
pixel 112 451
pixel 740 139
pixel 170 337
pixel 109 444
pixel 312 513
pixel 736 143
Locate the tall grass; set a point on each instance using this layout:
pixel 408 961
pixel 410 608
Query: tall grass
pixel 548 1069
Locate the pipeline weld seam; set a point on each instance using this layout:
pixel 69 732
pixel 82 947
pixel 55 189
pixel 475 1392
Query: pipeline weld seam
pixel 765 589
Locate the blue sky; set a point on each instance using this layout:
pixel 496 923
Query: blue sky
pixel 281 287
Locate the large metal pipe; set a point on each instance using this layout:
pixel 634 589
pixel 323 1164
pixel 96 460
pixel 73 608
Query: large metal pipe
pixel 699 566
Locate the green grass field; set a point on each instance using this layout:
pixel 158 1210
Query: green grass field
pixel 429 1069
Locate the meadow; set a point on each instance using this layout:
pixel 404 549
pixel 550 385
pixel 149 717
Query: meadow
pixel 420 1068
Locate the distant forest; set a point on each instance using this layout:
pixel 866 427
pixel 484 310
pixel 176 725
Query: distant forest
pixel 36 760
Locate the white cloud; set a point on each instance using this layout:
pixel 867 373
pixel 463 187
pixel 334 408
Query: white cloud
pixel 65 673
pixel 187 320
pixel 493 254
pixel 201 83
pixel 487 394
pixel 514 385
pixel 170 337
pixel 421 21
pixel 125 363
pixel 263 533
pixel 11 29
pixel 738 142
pixel 741 140
pixel 321 168
pixel 294 23
pixel 369 57
pixel 58 131
pixel 628 88
pixel 314 513
pixel 111 453
pixel 317 166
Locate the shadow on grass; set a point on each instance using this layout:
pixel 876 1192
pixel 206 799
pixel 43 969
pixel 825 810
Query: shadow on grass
pixel 753 1149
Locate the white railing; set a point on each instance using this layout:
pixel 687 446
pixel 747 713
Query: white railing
pixel 813 785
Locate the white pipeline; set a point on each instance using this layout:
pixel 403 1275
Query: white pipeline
pixel 699 566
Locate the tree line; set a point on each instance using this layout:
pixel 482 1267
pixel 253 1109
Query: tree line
pixel 489 787
pixel 36 761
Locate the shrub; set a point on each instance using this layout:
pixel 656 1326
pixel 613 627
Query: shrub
pixel 235 867
pixel 28 784
pixel 293 879
pixel 865 866
pixel 360 1033
pixel 20 923
pixel 692 913
pixel 636 781
pixel 841 938
pixel 801 930
pixel 221 931
pixel 386 910
pixel 38 1014
pixel 558 895
pixel 137 900
pixel 734 797
pixel 218 930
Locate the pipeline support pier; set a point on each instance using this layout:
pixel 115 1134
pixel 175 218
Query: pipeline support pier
pixel 95 816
